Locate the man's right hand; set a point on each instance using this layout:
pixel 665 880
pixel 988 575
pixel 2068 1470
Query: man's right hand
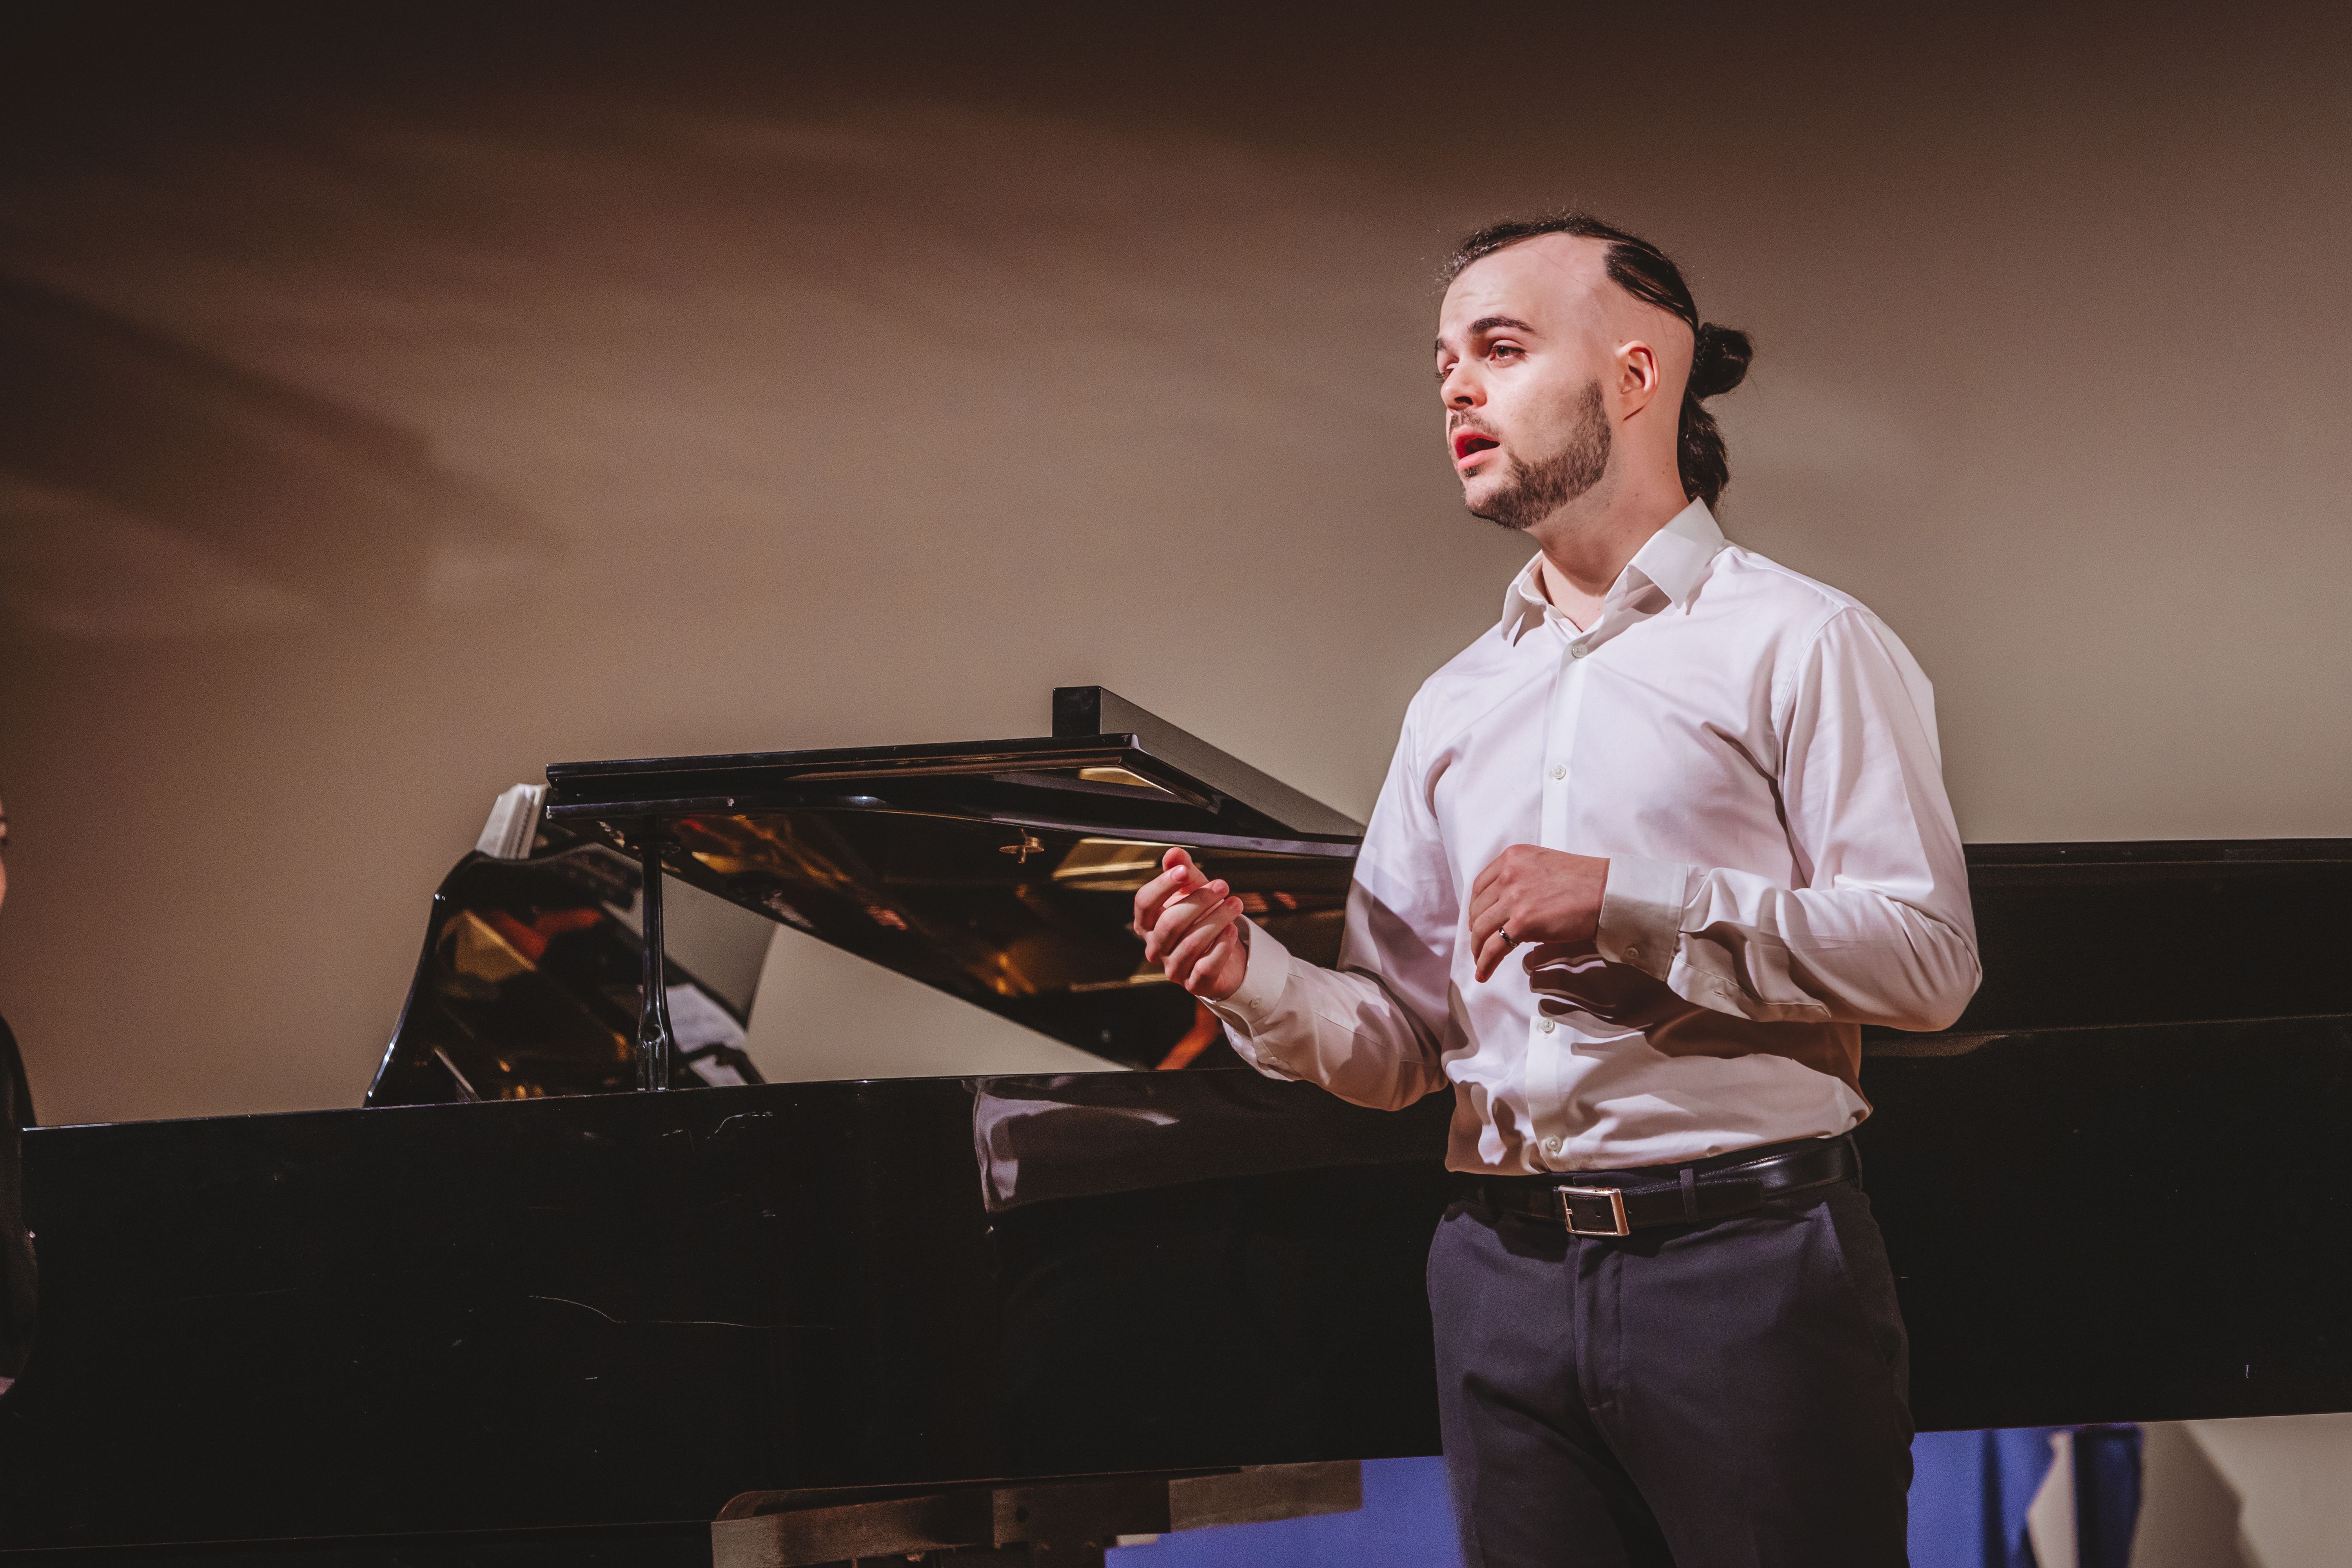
pixel 1191 927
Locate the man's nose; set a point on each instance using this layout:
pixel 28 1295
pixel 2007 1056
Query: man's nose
pixel 1460 389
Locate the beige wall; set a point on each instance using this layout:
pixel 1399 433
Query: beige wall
pixel 2246 1494
pixel 513 398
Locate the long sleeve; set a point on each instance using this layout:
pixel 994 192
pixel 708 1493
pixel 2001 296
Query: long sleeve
pixel 1372 1030
pixel 1880 931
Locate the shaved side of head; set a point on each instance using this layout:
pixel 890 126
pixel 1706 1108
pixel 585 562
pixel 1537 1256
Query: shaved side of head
pixel 1700 359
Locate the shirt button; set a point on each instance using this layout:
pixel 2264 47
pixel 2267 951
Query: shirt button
pixel 1578 650
pixel 1559 770
pixel 1546 1024
pixel 1551 1145
pixel 1633 953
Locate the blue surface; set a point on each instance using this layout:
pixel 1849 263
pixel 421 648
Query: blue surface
pixel 1970 1492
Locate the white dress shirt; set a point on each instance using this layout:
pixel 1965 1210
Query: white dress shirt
pixel 1756 755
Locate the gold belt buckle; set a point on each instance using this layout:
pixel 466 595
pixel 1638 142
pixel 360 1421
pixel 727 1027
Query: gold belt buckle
pixel 1616 1209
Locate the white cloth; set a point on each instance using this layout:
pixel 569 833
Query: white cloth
pixel 1756 755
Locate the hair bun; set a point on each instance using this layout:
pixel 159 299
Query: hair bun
pixel 1719 360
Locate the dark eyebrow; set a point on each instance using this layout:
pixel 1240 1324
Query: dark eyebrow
pixel 1485 324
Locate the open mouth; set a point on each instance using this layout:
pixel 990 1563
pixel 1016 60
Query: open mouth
pixel 1469 444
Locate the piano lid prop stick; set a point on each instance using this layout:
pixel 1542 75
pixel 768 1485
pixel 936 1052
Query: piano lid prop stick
pixel 653 1038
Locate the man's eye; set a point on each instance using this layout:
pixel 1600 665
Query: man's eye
pixel 1502 351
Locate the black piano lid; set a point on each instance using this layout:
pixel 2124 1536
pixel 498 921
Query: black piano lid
pixel 1146 774
pixel 999 871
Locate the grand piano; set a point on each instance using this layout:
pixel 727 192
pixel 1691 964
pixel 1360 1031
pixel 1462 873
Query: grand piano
pixel 574 1287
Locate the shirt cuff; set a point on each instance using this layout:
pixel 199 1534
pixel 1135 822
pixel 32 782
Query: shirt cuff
pixel 1642 913
pixel 1261 984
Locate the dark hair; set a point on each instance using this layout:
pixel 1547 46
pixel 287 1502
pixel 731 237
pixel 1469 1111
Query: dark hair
pixel 1720 355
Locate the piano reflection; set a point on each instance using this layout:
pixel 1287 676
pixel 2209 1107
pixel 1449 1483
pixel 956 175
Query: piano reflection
pixel 574 1285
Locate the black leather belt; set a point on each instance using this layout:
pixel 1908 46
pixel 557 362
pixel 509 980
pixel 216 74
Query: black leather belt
pixel 1619 1203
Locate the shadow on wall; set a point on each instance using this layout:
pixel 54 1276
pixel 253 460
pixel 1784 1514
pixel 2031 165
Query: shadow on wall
pixel 2190 1514
pixel 148 489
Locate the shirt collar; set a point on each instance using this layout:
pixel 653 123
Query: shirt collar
pixel 1675 558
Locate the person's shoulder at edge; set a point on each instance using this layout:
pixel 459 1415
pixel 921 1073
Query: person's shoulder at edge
pixel 1804 604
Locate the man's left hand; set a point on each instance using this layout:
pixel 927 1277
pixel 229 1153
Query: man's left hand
pixel 1535 894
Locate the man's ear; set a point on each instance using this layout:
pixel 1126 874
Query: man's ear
pixel 1638 375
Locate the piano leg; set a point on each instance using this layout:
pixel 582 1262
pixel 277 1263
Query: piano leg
pixel 653 1038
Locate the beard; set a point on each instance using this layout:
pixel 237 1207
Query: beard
pixel 1539 490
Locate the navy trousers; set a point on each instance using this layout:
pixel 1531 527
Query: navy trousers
pixel 1722 1395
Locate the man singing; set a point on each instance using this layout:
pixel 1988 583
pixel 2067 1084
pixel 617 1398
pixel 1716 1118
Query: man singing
pixel 1698 797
